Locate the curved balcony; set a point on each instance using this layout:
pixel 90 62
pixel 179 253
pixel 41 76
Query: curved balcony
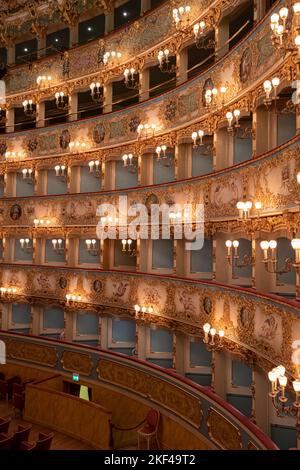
pixel 193 417
pixel 172 110
pixel 179 304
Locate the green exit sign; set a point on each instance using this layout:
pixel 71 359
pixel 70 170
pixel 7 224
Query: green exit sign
pixel 75 377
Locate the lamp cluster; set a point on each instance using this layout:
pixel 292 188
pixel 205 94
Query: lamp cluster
pixel 73 298
pixel 161 151
pixel 131 81
pixel 27 173
pixel 210 334
pixel 111 57
pixel 97 92
pixel 14 154
pixel 28 107
pixel 181 16
pixel 281 29
pixel 198 138
pixel 91 246
pixel 127 245
pixel 211 95
pixel 244 208
pixel 143 309
pixel 60 170
pixel 233 119
pixel 164 63
pixel 25 244
pixel 94 166
pixel 57 245
pixel 77 146
pixel 279 381
pixel 145 130
pixel 41 222
pixel 61 100
pixel 269 87
pixel 6 291
pixel 43 81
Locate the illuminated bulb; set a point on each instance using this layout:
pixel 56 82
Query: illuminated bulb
pixel 296 7
pixel 206 328
pixel 137 308
pixel 228 243
pixel 258 205
pixel 296 244
pixel 240 205
pixel 213 332
pixel 282 381
pixel 296 383
pixel 297 40
pixel 275 18
pixel 275 82
pixel 284 12
pixel 221 333
pixel 264 245
pixel 235 243
pixel 267 86
pixel 273 246
pixel 248 205
pixel 272 376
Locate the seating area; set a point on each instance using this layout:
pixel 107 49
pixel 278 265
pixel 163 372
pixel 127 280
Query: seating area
pixel 19 439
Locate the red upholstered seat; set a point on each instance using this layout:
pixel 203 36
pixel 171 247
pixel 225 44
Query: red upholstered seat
pixel 4 389
pixel 18 402
pixel 6 441
pixel 4 424
pixel 22 434
pixel 150 428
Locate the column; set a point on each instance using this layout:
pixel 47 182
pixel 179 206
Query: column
pixel 145 6
pixel 40 114
pixel 185 156
pixel 10 120
pixel 180 353
pixel 11 54
pixel 144 84
pixel 254 135
pixel 73 107
pixel 147 169
pixel 41 45
pixel 182 66
pixel 259 9
pixel 176 153
pixel 104 335
pixel 141 340
pixel 69 318
pixel 260 379
pixel 224 141
pixel 182 262
pixel 73 35
pixel 5 309
pixel 107 92
pixel 223 268
pixel 109 20
pixel 36 316
pixel 298 118
pixel 222 37
pixel 219 366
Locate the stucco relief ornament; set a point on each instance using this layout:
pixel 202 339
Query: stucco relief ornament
pixel 101 52
pixel 119 288
pixel 208 85
pixel 64 139
pixel 207 305
pixel 32 144
pixel 3 148
pixel 66 65
pixel 246 65
pixel 170 110
pixel 134 123
pixel 99 133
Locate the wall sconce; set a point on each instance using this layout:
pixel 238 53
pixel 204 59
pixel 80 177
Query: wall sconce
pixel 296 247
pixel 60 171
pixel 244 208
pixel 94 167
pixel 161 150
pixel 7 291
pixel 29 108
pixel 77 146
pixel 28 174
pixel 25 245
pixel 230 118
pixel 91 247
pixel 14 155
pixel 72 298
pixel 181 17
pixel 129 247
pixel 213 338
pixel 280 31
pixel 113 58
pixel 233 257
pixel 61 100
pixel 43 81
pixel 198 138
pixel 279 382
pixel 127 158
pixel 269 86
pixel 97 92
pixel 146 130
pixel 199 29
pixel 270 258
pixel 58 246
pixel 141 312
pixel 131 77
pixel 164 63
pixel 41 223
